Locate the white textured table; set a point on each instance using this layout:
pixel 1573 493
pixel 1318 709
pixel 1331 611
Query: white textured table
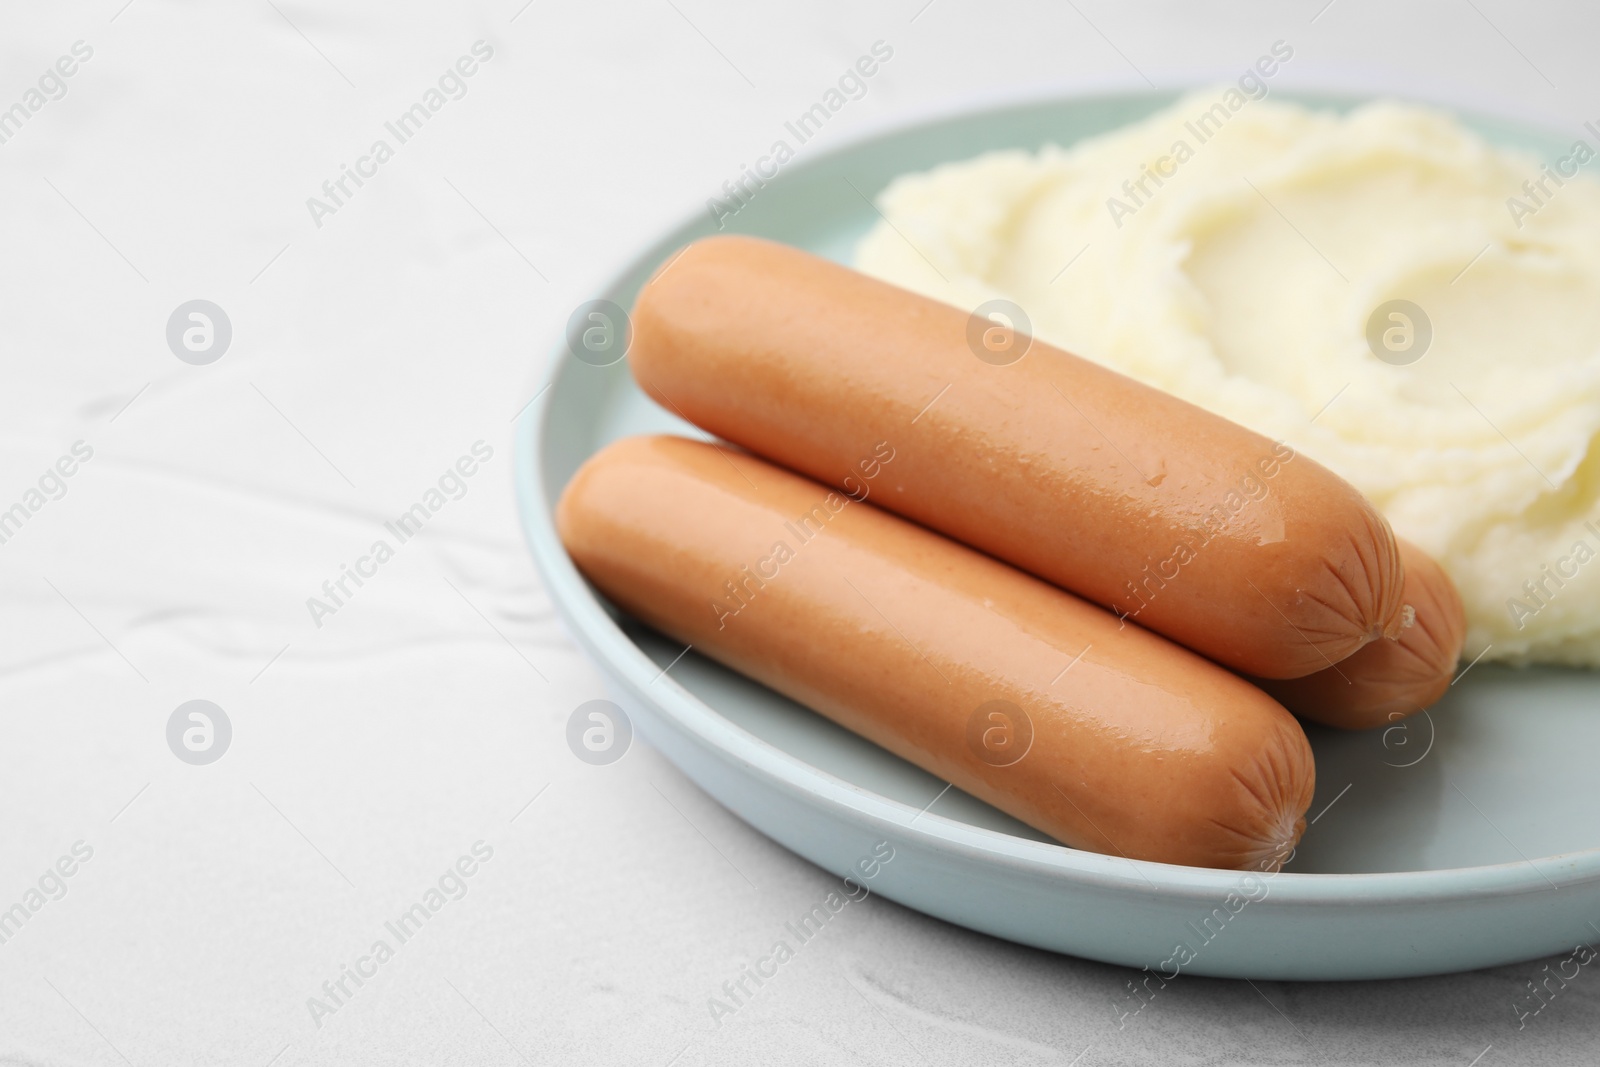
pixel 376 339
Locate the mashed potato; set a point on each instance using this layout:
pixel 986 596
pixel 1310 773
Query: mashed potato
pixel 1242 259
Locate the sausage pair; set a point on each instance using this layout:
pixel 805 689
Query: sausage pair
pixel 1173 518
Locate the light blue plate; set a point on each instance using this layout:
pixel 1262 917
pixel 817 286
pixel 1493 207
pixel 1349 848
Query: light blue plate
pixel 1464 839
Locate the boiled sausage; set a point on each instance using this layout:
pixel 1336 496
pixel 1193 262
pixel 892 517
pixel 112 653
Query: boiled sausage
pixel 1172 517
pixel 1102 735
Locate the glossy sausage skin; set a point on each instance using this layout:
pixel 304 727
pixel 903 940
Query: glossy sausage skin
pixel 1138 747
pixel 1190 524
pixel 1389 680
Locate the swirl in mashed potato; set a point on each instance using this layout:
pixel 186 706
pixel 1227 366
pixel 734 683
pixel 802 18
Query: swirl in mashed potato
pixel 1243 277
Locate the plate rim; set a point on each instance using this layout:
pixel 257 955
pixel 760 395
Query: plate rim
pixel 604 641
